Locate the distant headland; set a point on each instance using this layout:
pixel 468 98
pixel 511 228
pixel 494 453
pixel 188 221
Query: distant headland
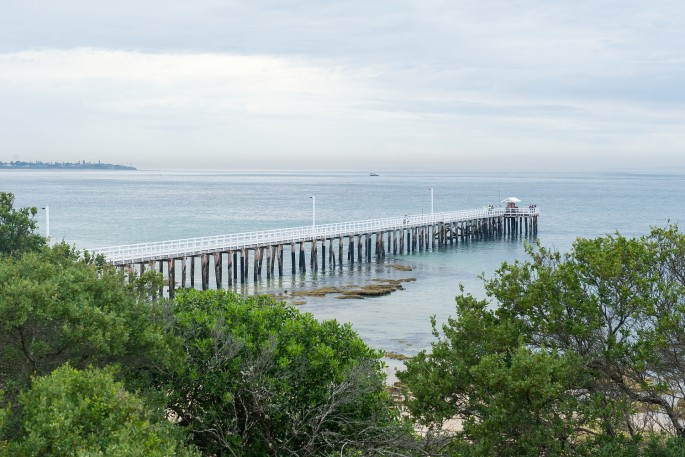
pixel 82 165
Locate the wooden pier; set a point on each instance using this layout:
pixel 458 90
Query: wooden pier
pixel 236 258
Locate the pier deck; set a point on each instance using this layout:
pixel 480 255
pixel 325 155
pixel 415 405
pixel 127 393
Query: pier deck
pixel 404 234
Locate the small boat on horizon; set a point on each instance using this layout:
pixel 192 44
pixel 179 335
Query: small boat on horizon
pixel 373 174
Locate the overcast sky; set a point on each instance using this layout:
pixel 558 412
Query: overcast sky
pixel 352 84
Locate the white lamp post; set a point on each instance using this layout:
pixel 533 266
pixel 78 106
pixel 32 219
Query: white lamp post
pixel 47 221
pixel 313 211
pixel 431 203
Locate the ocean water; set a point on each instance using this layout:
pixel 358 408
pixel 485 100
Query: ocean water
pixel 102 208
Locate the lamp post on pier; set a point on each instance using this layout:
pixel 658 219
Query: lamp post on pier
pixel 431 189
pixel 47 221
pixel 313 211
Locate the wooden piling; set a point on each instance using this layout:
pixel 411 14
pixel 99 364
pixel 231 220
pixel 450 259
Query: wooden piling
pixel 261 260
pixel 171 272
pixel 204 271
pixel 160 264
pixel 183 272
pixel 218 269
pixel 274 255
pixel 235 267
pixel 331 256
pixel 268 257
pixel 303 267
pixel 192 272
pixel 280 260
pixel 361 248
pixel 243 266
pixel 255 269
pixel 229 268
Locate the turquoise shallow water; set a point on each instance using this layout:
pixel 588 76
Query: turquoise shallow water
pixel 95 209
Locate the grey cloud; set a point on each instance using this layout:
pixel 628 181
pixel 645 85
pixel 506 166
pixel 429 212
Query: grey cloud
pixel 385 76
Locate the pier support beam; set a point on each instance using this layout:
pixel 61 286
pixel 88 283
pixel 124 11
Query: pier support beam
pixel 192 272
pixel 183 272
pixel 171 272
pixel 243 266
pixel 204 273
pixel 229 268
pixel 160 263
pixel 274 255
pixel 217 269
pixel 269 264
pixel 331 255
pixel 323 254
pixel 303 266
pixel 255 269
pixel 340 250
pixel 280 260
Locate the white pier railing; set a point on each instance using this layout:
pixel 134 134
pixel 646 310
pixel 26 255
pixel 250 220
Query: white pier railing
pixel 144 252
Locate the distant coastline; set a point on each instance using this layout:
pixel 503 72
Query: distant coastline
pixel 83 165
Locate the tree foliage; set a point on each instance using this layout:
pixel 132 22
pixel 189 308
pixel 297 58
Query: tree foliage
pixel 17 228
pixel 261 378
pixel 578 355
pixel 87 413
pixel 242 375
pixel 57 307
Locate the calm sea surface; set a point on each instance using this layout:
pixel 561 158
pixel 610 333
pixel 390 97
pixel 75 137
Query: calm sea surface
pixel 101 208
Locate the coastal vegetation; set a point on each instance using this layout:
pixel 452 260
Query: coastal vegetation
pixel 576 354
pixel 82 165
pixel 17 228
pixel 93 362
pixel 573 355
